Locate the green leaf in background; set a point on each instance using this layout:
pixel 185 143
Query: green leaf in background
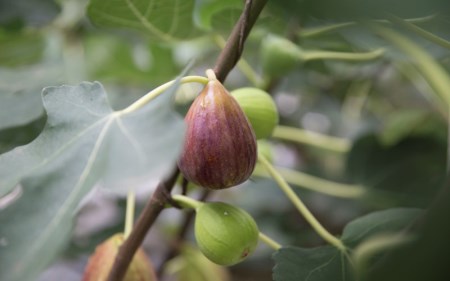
pixel 20 48
pixel 28 12
pixel 328 263
pixel 348 9
pixel 84 142
pixel 426 258
pixel 317 264
pixel 217 13
pixel 20 103
pixel 129 62
pixel 408 173
pixel 391 220
pixel 412 122
pixel 161 19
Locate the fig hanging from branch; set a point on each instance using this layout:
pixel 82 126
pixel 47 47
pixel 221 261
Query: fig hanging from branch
pixel 220 145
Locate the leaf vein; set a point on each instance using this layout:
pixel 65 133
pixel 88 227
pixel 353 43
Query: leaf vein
pixel 146 23
pixel 319 267
pixel 70 199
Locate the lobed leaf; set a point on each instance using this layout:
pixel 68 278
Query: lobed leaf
pixel 84 142
pixel 20 103
pixel 328 263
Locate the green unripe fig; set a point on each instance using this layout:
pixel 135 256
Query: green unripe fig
pixel 192 265
pixel 278 55
pixel 225 234
pixel 260 109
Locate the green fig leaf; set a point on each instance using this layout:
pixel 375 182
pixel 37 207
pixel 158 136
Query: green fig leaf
pixel 327 262
pixel 83 143
pixel 161 19
pixel 224 13
pixel 20 103
pixel 404 173
pixel 391 220
pixel 316 264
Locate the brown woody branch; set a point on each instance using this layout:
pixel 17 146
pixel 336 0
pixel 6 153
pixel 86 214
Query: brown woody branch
pixel 235 43
pixel 225 63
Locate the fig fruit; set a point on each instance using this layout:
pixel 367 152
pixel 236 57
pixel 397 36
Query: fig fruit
pixel 279 56
pixel 192 265
pixel 259 108
pixel 101 262
pixel 220 146
pixel 225 234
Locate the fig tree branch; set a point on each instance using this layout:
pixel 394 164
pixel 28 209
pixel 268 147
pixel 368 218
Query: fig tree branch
pixel 235 43
pixel 225 63
pixel 148 215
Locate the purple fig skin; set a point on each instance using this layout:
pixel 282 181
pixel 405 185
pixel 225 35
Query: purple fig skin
pixel 220 146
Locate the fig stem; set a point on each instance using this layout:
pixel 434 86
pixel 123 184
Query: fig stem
pixel 187 202
pixel 322 30
pixel 315 183
pixel 419 31
pixel 311 138
pixel 301 207
pixel 269 241
pixel 328 55
pixel 433 73
pixel 211 75
pixel 129 215
pixel 161 89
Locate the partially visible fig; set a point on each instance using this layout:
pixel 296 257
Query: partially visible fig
pixel 192 265
pixel 225 234
pixel 279 56
pixel 101 262
pixel 220 146
pixel 259 108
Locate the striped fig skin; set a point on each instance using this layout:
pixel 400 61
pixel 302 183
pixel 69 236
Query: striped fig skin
pixel 220 145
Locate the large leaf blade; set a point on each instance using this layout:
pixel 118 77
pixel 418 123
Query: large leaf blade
pixel 327 262
pixel 84 142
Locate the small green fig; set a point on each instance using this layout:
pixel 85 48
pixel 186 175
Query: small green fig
pixel 101 262
pixel 279 56
pixel 225 234
pixel 192 265
pixel 220 146
pixel 260 109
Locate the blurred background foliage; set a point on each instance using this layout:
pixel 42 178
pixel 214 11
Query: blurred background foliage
pixel 396 123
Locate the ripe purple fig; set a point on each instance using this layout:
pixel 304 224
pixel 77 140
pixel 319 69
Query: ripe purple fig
pixel 220 145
